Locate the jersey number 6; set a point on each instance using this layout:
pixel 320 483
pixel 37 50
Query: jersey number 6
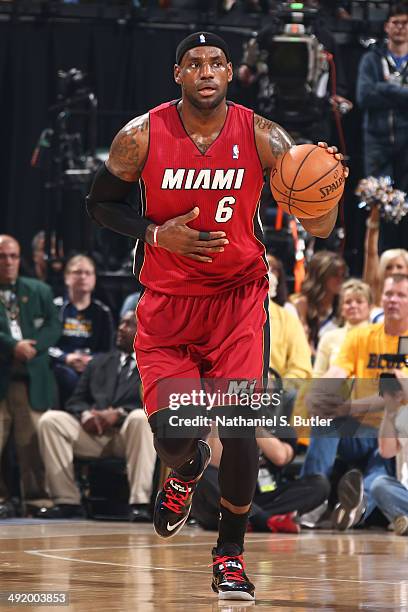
pixel 224 212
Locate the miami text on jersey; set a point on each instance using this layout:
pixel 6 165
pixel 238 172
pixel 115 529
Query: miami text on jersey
pixel 206 178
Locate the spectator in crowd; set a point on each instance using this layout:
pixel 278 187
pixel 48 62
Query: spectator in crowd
pixel 377 269
pixel 130 303
pixel 290 355
pixel 391 494
pixel 276 502
pixel 281 291
pixel 39 256
pixel 103 418
pixel 382 93
pixel 40 265
pixel 317 301
pixel 28 327
pixel 352 435
pixel 354 307
pixel 87 327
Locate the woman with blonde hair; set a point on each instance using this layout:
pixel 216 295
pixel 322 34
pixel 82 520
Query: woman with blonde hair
pixel 317 301
pixel 355 301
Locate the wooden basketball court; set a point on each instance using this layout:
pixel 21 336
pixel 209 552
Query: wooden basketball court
pixel 120 566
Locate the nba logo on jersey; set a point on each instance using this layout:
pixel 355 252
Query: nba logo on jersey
pixel 235 151
pixel 202 38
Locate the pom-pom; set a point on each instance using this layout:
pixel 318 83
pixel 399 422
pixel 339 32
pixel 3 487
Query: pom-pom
pixel 380 192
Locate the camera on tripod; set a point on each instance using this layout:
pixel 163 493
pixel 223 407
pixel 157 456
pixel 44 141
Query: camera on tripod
pixel 297 65
pixel 292 67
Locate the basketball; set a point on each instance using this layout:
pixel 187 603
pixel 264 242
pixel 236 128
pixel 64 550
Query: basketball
pixel 307 181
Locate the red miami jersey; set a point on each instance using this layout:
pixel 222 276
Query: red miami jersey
pixel 225 183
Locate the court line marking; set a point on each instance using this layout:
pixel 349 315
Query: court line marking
pixel 270 539
pixel 180 570
pixel 136 547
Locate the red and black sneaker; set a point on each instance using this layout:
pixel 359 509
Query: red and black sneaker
pixel 173 502
pixel 229 578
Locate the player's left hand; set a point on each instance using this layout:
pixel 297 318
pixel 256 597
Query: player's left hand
pixel 337 155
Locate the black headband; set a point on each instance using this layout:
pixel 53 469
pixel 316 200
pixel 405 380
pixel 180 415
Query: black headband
pixel 201 39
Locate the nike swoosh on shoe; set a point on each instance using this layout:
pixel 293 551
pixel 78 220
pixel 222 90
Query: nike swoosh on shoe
pixel 173 527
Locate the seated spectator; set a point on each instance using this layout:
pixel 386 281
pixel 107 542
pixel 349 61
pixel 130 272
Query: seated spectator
pixel 281 289
pixel 276 502
pixel 130 303
pixel 354 308
pixel 39 258
pixel 290 355
pixel 317 301
pixel 377 269
pixel 352 435
pixel 103 418
pixel 87 327
pixel 391 494
pixel 39 265
pixel 28 327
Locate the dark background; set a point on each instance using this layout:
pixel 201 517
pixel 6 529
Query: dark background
pixel 130 64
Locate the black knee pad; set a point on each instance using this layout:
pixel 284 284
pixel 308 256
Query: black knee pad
pixel 175 446
pixel 174 452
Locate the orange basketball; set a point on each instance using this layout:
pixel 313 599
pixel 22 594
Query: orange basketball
pixel 307 181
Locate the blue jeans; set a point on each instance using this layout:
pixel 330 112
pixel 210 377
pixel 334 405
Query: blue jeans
pixel 390 496
pixel 360 451
pixel 67 380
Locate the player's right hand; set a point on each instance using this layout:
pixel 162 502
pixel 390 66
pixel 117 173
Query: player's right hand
pixel 175 236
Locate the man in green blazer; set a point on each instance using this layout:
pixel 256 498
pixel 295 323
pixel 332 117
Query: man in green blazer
pixel 29 325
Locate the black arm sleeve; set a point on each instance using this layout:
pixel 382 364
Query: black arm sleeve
pixel 106 205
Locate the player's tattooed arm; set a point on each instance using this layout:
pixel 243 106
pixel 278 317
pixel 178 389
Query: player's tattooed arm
pixel 113 182
pixel 129 148
pixel 272 141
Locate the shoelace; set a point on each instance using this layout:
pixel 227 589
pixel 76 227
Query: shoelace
pixel 230 574
pixel 175 500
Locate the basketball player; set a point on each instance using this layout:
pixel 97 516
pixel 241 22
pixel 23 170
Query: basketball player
pixel 201 163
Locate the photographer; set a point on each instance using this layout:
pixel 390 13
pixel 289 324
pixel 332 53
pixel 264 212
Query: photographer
pixel 365 353
pixel 391 494
pixel 255 70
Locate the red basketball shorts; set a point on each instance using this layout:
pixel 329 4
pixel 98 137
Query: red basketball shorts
pixel 223 336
